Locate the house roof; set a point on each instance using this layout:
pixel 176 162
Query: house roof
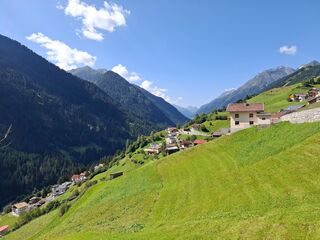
pixel 245 107
pixel 199 141
pixel 21 205
pixel 75 177
pixel 310 99
pixel 300 94
pixel 293 108
pixel 221 131
pixel 4 228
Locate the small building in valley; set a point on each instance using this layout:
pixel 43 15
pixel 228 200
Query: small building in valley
pixel 313 100
pixel 115 175
pixel 19 208
pixel 185 144
pixel 221 132
pixel 172 131
pixel 171 140
pixel 34 200
pixel 313 92
pixel 171 148
pixel 77 178
pixel 297 97
pixel 58 190
pixel 244 115
pixel 199 142
pixel 154 148
pixel 196 127
pixel 4 230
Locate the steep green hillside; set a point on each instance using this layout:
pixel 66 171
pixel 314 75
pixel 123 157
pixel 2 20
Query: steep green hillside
pixel 255 184
pixel 277 98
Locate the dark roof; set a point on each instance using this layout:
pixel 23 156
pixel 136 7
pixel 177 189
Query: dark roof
pixel 245 107
pixel 310 99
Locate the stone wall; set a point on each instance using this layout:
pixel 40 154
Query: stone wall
pixel 312 115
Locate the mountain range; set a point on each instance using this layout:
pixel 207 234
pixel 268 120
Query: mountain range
pixel 256 85
pixel 131 98
pixel 61 123
pixel 189 111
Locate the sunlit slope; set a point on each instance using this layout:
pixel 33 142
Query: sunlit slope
pixel 253 184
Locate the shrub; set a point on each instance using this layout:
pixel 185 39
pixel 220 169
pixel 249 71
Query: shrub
pixel 63 209
pixel 74 195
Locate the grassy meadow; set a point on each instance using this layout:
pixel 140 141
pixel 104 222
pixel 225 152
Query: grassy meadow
pixel 255 184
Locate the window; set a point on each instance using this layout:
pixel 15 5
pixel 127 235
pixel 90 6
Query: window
pixel 263 118
pixel 236 115
pixel 237 122
pixel 251 115
pixel 251 122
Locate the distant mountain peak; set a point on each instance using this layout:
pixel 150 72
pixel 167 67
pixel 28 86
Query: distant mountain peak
pixel 256 85
pixel 310 64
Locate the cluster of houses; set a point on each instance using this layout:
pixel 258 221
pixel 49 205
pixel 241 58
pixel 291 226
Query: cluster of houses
pixel 172 142
pixel 311 97
pixel 56 190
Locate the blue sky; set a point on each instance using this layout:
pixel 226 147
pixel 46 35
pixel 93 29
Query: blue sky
pixel 186 51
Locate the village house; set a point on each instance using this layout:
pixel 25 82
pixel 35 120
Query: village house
pixel 171 140
pixel 171 148
pixel 314 100
pixel 221 132
pixel 313 92
pixel 244 115
pixel 153 149
pixel 97 167
pixel 292 108
pixel 58 190
pixel 19 208
pixel 297 97
pixel 199 142
pixel 185 144
pixel 196 127
pixel 115 175
pixel 172 131
pixel 34 200
pixel 77 178
pixel 4 230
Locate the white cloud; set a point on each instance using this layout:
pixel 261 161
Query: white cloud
pixel 159 92
pixel 61 54
pixel 122 71
pixel 288 50
pixel 106 18
pixel 145 84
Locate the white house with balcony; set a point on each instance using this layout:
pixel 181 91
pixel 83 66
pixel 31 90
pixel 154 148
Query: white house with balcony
pixel 244 115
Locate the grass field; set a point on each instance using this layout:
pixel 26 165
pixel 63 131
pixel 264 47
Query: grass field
pixel 276 99
pixel 255 184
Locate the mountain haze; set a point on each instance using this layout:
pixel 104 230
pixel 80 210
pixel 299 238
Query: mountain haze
pixel 189 111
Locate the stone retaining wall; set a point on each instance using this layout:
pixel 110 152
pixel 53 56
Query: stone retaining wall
pixel 312 115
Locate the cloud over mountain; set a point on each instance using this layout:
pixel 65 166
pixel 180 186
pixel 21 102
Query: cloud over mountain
pixel 61 54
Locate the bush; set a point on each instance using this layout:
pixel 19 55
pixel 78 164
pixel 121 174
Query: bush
pixel 63 209
pixel 74 195
pixel 6 209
